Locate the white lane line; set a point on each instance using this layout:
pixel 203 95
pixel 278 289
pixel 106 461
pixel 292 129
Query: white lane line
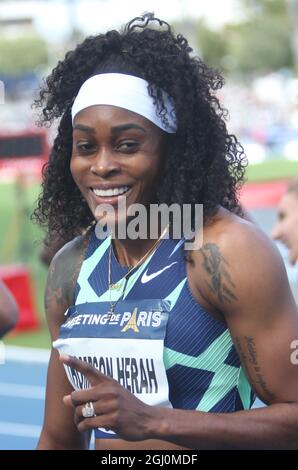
pixel 27 355
pixel 26 430
pixel 19 429
pixel 22 391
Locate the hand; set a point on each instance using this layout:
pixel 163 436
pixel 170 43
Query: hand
pixel 115 407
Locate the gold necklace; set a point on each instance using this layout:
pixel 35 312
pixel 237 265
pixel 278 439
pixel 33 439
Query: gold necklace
pixel 125 277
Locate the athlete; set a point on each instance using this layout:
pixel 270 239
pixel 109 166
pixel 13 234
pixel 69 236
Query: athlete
pixel 155 345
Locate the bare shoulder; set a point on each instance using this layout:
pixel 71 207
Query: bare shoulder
pixel 236 262
pixel 62 276
pixel 243 275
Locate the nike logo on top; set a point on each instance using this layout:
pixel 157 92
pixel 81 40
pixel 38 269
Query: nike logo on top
pixel 148 277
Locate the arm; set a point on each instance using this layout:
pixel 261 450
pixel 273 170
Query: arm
pixel 8 310
pixel 250 287
pixel 59 430
pixel 255 298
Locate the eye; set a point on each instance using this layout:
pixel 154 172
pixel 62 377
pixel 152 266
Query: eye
pixel 85 147
pixel 127 146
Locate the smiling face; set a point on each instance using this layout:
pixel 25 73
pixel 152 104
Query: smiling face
pixel 116 153
pixel 286 228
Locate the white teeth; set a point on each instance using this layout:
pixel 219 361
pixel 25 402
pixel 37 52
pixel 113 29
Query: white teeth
pixel 110 192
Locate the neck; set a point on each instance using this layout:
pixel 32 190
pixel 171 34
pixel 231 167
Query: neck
pixel 129 252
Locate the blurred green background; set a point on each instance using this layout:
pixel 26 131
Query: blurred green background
pixel 21 243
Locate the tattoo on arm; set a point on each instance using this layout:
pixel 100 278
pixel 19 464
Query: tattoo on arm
pixel 61 282
pixel 252 367
pixel 216 266
pixel 57 289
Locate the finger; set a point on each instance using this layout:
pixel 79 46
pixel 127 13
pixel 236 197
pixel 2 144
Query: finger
pixel 78 416
pixel 78 419
pixel 91 373
pixel 100 407
pixel 68 401
pixel 79 397
pixel 93 423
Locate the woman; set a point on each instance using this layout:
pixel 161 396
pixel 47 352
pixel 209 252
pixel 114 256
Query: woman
pixel 162 348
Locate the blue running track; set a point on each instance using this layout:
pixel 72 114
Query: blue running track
pixel 22 391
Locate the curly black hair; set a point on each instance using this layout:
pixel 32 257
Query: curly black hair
pixel 206 163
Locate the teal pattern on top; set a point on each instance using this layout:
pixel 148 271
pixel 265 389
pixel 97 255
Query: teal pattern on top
pixel 203 368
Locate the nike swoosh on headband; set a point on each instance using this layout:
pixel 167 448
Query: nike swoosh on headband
pixel 148 277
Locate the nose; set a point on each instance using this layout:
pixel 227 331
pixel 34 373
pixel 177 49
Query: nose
pixel 104 163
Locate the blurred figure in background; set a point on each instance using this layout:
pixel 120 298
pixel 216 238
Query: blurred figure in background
pixel 286 227
pixel 8 310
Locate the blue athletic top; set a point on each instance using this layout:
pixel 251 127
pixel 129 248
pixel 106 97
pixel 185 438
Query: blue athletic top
pixel 202 366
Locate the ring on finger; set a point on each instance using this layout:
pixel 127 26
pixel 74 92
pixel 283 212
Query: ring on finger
pixel 88 410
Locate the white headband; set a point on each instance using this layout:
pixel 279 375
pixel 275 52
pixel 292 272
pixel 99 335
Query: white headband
pixel 124 91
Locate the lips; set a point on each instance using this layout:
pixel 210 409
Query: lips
pixel 110 192
pixel 109 195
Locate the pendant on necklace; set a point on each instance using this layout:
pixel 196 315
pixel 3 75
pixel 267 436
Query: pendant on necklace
pixel 115 286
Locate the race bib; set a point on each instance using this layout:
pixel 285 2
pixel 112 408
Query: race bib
pixel 126 345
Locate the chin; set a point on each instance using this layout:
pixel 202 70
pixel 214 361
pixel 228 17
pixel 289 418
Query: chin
pixel 111 222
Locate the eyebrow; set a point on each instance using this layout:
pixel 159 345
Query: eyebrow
pixel 82 127
pixel 115 129
pixel 125 127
